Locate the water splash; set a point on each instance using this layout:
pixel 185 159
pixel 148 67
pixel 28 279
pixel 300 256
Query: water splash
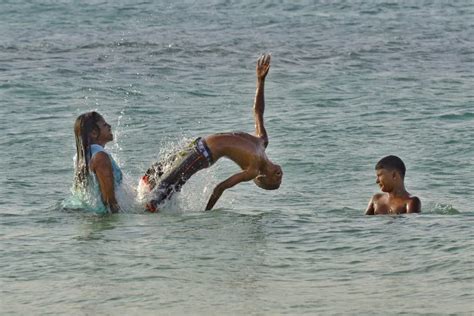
pixel 85 199
pixel 132 196
pixel 194 194
pixel 444 209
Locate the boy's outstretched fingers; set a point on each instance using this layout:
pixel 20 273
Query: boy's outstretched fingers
pixel 263 65
pixel 267 59
pixel 264 60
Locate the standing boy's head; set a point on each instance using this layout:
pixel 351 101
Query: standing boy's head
pixel 390 171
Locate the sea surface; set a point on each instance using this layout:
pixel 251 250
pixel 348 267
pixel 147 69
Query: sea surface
pixel 350 82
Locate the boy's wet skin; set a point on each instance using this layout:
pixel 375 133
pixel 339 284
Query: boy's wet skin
pixel 246 150
pixel 395 199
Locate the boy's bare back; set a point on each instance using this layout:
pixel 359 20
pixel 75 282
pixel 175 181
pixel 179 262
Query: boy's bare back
pixel 244 149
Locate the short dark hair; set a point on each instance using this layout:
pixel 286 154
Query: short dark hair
pixel 391 163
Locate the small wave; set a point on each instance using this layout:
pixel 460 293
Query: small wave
pixel 457 117
pixel 444 209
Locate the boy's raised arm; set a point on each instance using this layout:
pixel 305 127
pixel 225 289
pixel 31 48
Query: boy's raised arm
pixel 263 65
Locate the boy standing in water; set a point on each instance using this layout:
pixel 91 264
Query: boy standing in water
pixel 246 150
pixel 390 172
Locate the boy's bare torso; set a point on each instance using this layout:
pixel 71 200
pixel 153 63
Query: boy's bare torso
pixel 244 149
pixel 383 203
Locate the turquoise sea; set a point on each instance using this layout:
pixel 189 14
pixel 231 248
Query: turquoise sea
pixel 350 82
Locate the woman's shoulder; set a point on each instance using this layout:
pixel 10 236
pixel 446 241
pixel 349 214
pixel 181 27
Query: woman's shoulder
pixel 100 158
pixel 94 149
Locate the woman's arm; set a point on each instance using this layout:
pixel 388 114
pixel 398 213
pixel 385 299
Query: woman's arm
pixel 102 167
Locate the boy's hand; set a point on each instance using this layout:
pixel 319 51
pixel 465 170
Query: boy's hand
pixel 263 65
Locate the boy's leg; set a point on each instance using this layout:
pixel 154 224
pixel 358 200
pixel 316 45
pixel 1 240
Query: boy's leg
pixel 153 174
pixel 191 163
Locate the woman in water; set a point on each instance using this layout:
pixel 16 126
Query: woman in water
pixel 93 163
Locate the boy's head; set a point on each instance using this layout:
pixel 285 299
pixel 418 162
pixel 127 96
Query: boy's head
pixel 390 171
pixel 271 178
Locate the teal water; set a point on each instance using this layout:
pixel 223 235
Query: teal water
pixel 350 83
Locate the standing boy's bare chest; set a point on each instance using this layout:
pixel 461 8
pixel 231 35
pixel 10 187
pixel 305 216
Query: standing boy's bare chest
pixel 386 205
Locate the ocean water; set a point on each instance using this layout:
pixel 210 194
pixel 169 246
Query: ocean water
pixel 350 82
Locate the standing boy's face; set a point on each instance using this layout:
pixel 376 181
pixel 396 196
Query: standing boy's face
pixel 385 179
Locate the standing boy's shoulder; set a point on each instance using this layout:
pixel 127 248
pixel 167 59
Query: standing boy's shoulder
pixel 413 204
pixel 377 200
